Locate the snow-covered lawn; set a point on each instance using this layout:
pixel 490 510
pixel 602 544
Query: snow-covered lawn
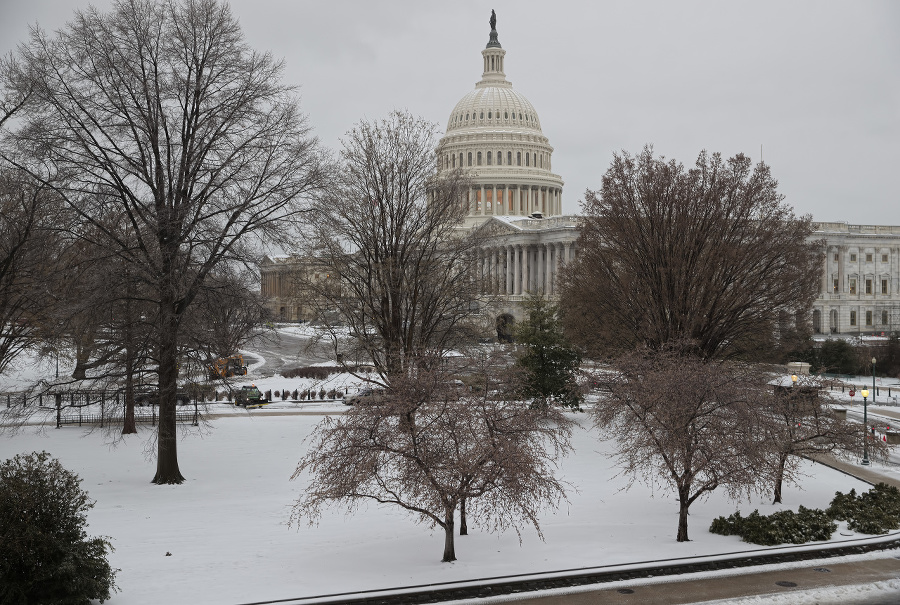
pixel 227 528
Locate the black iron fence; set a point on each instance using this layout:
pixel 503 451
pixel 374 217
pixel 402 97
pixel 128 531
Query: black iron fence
pixel 102 407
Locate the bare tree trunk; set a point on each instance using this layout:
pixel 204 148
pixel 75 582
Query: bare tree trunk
pixel 167 471
pixel 128 426
pixel 683 496
pixel 82 357
pixel 449 550
pixel 779 478
pixel 463 528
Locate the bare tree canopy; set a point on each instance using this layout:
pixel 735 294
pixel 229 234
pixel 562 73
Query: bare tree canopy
pixel 692 424
pixel 159 112
pixel 802 424
pixel 400 272
pixel 431 452
pixel 27 245
pixel 709 256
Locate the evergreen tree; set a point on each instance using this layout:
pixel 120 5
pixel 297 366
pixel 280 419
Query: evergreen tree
pixel 549 361
pixel 46 555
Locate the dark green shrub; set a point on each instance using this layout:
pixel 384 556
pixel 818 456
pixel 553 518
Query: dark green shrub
pixel 316 372
pixel 45 555
pixel 876 511
pixel 782 527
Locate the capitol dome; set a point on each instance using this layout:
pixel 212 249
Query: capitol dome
pixel 494 133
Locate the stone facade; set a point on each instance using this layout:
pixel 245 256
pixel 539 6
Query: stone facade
pixel 860 289
pixel 281 284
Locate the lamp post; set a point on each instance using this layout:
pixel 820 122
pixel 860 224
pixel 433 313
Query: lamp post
pixel 873 380
pixel 865 460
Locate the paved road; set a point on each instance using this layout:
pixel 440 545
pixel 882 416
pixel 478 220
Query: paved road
pixel 282 350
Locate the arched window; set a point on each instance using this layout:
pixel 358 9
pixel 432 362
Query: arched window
pixel 505 115
pixel 467 117
pixel 499 158
pixel 518 158
pixel 454 160
pixel 479 158
pixel 527 158
pixel 470 158
pixel 488 158
pixel 490 114
pixel 535 160
pixel 509 158
pixel 542 160
pixel 482 115
pixel 460 160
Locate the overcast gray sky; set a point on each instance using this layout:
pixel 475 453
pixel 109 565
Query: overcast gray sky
pixel 816 83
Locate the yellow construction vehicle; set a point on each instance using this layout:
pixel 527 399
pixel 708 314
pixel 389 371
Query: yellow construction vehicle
pixel 227 367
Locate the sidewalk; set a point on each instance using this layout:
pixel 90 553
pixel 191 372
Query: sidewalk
pixel 869 474
pixel 821 575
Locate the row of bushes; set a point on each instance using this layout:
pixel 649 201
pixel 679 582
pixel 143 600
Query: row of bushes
pixel 874 512
pixel 319 372
pixel 308 394
pixel 295 395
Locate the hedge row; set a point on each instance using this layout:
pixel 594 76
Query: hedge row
pixel 874 512
pixel 316 372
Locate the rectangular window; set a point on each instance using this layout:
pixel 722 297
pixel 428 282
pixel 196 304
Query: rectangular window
pixel 835 285
pixel 852 286
pixel 884 258
pixel 852 258
pixel 852 318
pixel 884 286
pixel 836 257
pixel 868 258
pixel 884 318
pixel 868 318
pixel 868 286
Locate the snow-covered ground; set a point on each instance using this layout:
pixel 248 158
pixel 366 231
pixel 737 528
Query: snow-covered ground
pixel 227 528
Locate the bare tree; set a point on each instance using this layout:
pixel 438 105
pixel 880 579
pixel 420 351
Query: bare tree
pixel 27 246
pixel 802 424
pixel 225 316
pixel 709 256
pixel 158 111
pixel 430 451
pixel 692 424
pixel 387 233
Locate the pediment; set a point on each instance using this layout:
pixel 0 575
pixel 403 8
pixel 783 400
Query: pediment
pixel 495 227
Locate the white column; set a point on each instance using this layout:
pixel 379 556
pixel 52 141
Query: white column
pixel 547 271
pixel 525 269
pixel 507 280
pixel 495 270
pixel 517 270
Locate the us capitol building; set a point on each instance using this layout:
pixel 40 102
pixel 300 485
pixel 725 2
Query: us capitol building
pixel 515 202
